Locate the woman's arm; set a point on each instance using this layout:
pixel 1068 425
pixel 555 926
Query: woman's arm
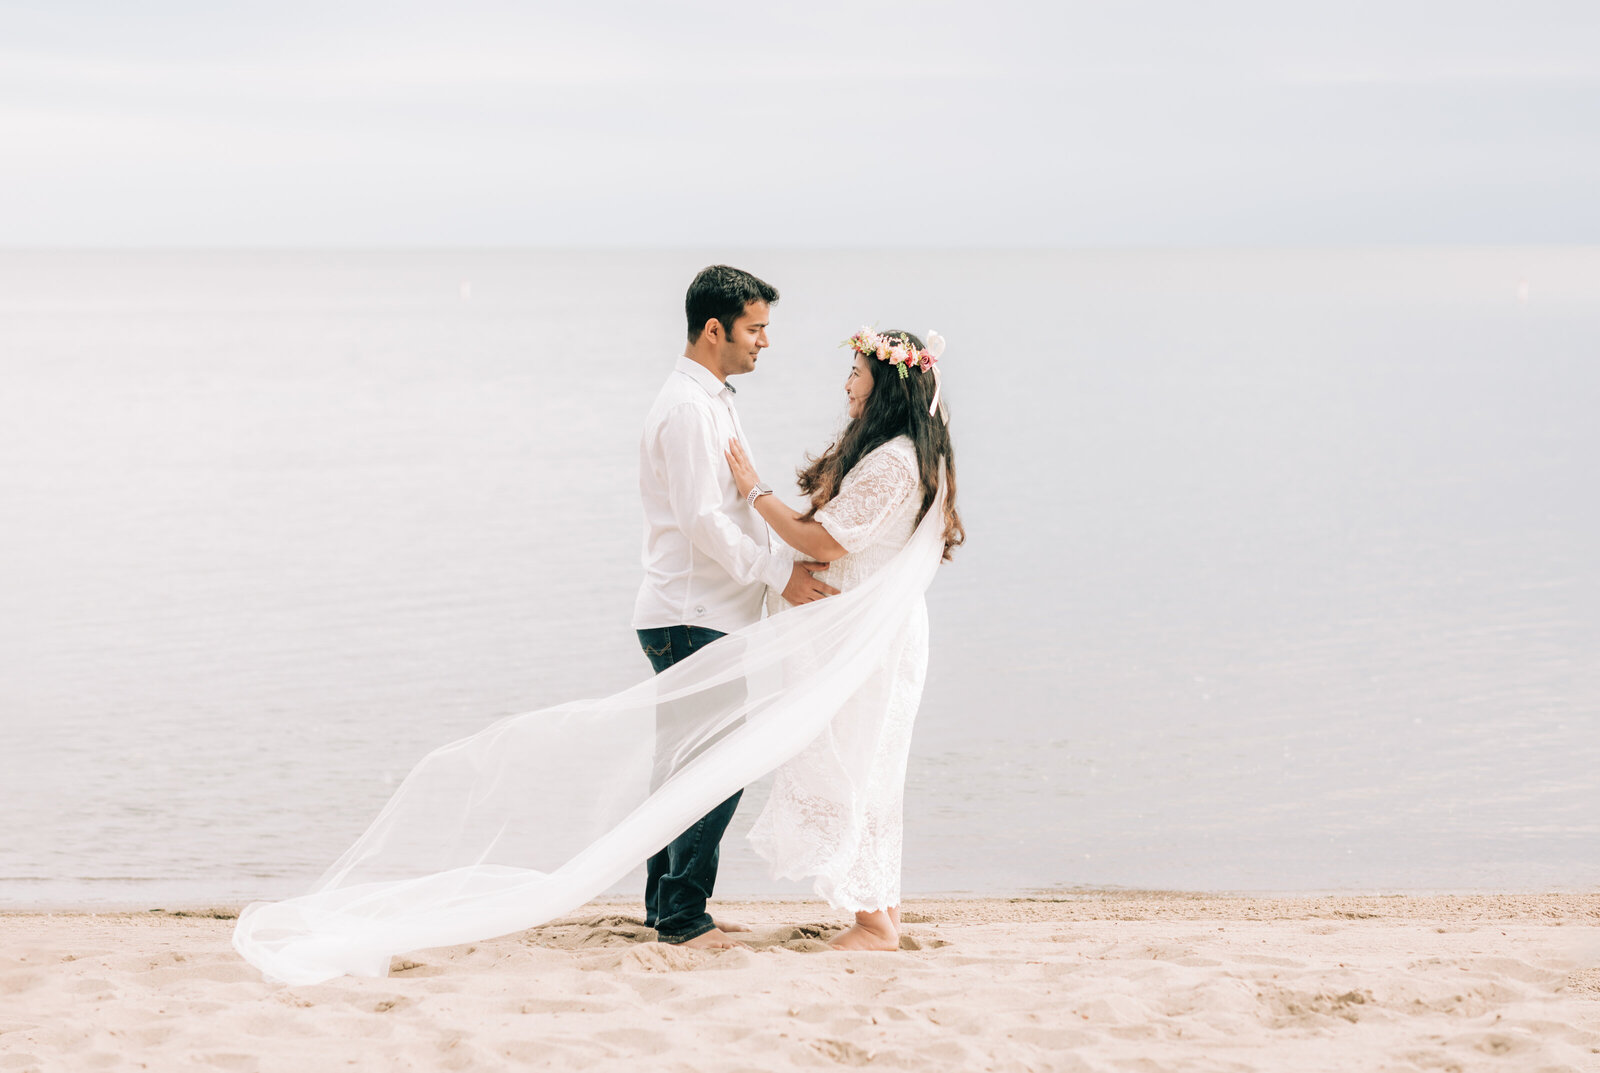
pixel 809 538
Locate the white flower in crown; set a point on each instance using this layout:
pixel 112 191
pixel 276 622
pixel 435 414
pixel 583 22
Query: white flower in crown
pixel 865 341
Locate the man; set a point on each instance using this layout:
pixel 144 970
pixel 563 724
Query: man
pixel 708 557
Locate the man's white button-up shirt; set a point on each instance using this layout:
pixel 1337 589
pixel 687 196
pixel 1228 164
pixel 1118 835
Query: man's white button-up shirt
pixel 708 556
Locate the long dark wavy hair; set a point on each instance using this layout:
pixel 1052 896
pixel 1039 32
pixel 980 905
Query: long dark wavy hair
pixel 896 407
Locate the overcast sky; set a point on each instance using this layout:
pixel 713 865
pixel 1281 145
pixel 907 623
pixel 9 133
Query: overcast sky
pixel 666 124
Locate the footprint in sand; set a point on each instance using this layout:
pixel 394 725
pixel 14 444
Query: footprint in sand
pixel 813 938
pixel 611 920
pixel 842 1052
pixel 609 930
pixel 406 967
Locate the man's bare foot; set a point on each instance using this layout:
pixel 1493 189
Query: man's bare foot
pixel 872 931
pixel 729 925
pixel 714 939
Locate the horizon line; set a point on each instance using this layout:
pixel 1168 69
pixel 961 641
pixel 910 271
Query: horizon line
pixel 1130 247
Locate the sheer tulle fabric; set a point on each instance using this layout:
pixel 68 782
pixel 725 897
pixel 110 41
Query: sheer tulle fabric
pixel 538 813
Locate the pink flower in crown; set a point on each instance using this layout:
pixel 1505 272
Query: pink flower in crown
pixel 925 360
pixel 897 354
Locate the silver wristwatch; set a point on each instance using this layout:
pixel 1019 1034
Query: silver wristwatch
pixel 756 493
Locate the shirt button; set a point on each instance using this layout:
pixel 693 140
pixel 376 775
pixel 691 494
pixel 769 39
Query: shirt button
pixel 700 610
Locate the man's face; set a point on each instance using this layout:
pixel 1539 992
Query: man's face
pixel 745 341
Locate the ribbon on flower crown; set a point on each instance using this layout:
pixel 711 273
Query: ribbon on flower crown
pixel 936 348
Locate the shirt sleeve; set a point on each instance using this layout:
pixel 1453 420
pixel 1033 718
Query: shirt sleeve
pixel 695 471
pixel 871 494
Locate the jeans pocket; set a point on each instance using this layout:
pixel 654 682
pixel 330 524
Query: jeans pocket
pixel 657 645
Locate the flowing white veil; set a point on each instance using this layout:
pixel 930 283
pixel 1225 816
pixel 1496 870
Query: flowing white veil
pixel 540 812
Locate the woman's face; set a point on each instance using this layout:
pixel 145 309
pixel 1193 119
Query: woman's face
pixel 858 385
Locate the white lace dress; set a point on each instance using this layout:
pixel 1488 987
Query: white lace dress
pixel 835 812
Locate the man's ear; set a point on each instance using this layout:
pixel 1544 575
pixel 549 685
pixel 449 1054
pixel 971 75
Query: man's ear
pixel 713 329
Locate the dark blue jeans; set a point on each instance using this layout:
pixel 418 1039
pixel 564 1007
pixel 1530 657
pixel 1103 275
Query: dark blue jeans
pixel 679 878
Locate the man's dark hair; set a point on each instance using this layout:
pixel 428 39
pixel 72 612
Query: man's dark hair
pixel 720 293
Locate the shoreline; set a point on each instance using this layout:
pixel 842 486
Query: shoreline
pixel 1573 906
pixel 1172 980
pixel 232 908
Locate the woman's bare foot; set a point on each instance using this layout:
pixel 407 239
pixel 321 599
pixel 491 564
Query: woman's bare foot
pixel 894 916
pixel 872 931
pixel 715 939
pixel 729 925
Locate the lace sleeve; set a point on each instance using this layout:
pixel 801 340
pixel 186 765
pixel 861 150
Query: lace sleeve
pixel 871 494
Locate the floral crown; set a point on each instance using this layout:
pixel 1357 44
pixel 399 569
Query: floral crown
pixel 898 351
pixel 894 349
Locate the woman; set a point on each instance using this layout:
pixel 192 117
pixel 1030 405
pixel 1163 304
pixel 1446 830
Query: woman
pixel 540 812
pixel 835 810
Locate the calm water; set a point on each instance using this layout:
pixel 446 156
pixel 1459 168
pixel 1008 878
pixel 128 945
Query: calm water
pixel 1282 569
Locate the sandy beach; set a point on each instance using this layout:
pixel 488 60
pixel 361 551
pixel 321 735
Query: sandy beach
pixel 1130 981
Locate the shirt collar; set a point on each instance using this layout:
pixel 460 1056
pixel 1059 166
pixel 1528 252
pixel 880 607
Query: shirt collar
pixel 703 376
